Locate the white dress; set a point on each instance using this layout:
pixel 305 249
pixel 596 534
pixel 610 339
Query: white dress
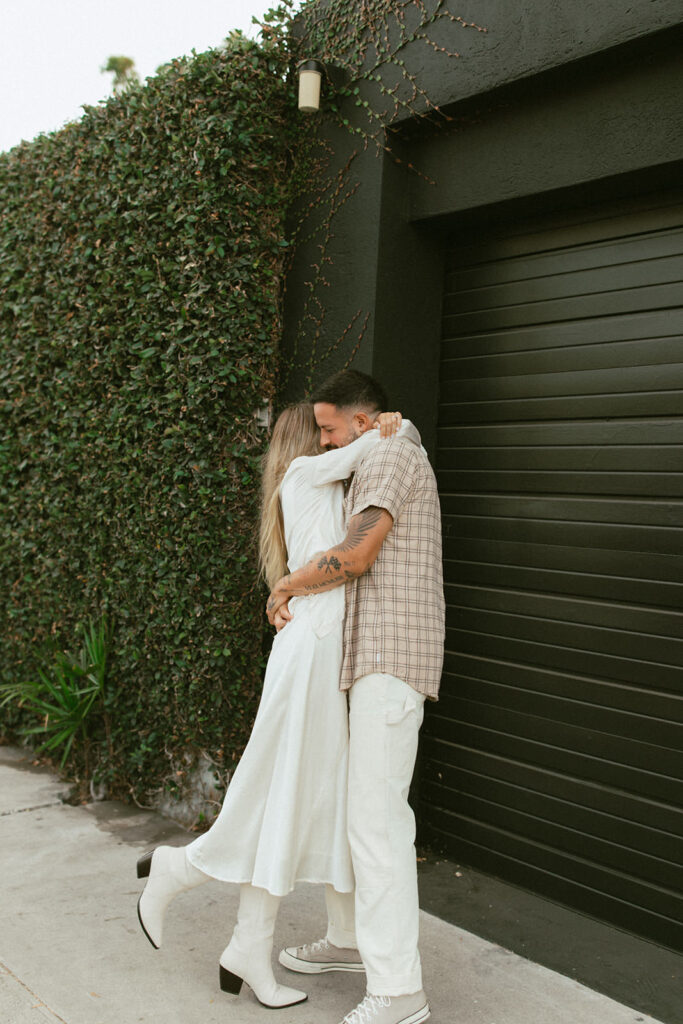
pixel 283 818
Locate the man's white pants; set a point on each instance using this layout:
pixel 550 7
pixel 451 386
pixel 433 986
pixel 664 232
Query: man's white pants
pixel 385 715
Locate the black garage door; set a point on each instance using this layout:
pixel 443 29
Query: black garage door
pixel 554 758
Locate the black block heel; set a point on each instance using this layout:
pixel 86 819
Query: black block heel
pixel 229 982
pixel 144 864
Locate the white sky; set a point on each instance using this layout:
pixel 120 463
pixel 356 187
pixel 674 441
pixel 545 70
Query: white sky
pixel 51 51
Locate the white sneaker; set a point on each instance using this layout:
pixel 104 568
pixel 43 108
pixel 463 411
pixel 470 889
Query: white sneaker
pixel 320 957
pixel 410 1009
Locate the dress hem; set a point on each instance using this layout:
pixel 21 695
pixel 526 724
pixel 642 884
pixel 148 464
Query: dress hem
pixel 276 891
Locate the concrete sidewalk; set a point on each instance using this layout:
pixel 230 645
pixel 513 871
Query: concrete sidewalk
pixel 71 949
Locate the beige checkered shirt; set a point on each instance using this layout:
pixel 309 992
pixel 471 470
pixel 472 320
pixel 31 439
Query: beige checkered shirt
pixel 395 612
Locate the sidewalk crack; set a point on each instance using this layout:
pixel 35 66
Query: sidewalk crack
pixel 30 991
pixel 36 807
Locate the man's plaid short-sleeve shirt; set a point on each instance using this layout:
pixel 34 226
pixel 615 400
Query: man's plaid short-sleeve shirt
pixel 395 611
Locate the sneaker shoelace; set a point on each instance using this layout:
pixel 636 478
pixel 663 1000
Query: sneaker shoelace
pixel 321 946
pixel 366 1010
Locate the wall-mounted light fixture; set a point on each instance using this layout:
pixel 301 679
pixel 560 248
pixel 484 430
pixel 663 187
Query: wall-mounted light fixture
pixel 310 82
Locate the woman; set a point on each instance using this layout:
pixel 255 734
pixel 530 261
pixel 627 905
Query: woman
pixel 283 819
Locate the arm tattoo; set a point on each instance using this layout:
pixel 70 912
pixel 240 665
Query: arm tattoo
pixel 345 578
pixel 360 527
pixel 334 570
pixel 325 584
pixel 329 564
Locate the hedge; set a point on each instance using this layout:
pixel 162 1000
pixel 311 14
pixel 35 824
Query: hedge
pixel 141 255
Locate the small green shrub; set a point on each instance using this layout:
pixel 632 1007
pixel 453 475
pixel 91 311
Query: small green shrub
pixel 69 697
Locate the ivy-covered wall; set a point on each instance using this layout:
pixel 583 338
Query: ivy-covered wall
pixel 381 54
pixel 141 252
pixel 143 258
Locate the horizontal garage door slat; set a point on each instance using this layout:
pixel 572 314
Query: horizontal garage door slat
pixel 588 560
pixel 567 285
pixel 578 868
pixel 569 724
pixel 644 352
pixel 489 545
pixel 659 431
pixel 575 830
pixel 643 728
pixel 464 769
pixel 589 458
pixel 576 333
pixel 616 254
pixel 576 583
pixel 546 311
pixel 630 617
pixel 557 759
pixel 657 704
pixel 620 536
pixel 579 644
pixel 664 377
pixel 662 403
pixel 647 484
pixel 598 231
pixel 555 755
pixel 653 512
pixel 552 873
pixel 548 652
pixel 580 635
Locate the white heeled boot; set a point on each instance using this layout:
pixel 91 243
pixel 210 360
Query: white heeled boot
pixel 247 957
pixel 169 872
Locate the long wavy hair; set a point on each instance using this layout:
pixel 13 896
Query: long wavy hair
pixel 295 433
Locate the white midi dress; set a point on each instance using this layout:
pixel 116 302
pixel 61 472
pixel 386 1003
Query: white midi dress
pixel 283 818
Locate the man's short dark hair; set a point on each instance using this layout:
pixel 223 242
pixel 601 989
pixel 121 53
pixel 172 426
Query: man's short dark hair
pixel 351 389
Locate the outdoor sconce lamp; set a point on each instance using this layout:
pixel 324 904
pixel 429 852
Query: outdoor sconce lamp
pixel 310 80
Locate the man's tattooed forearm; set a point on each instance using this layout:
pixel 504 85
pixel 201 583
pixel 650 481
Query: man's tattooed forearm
pixel 348 575
pixel 329 564
pixel 325 584
pixel 361 526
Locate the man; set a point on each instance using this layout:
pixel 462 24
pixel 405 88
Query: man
pixel 390 563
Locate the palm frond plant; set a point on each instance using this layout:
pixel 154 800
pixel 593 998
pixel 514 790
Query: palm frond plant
pixel 68 696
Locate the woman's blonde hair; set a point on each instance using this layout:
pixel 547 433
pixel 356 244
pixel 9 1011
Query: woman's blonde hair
pixel 295 433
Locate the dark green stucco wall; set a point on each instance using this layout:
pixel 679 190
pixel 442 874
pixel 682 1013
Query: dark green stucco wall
pixel 555 104
pixel 602 117
pixel 557 108
pixel 528 38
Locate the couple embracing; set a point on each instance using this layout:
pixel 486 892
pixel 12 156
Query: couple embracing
pixel 351 546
